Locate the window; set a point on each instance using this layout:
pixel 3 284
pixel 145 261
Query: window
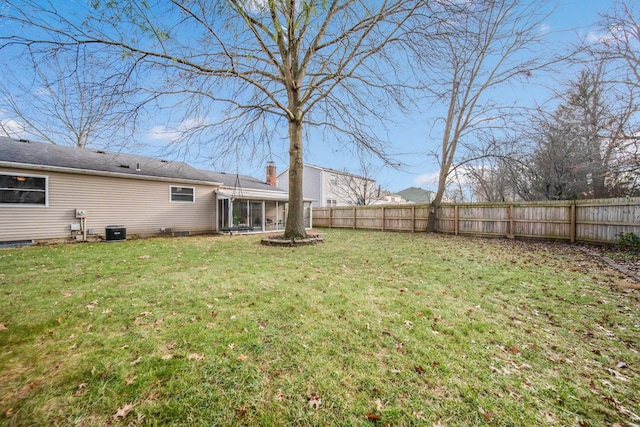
pixel 23 190
pixel 183 194
pixel 332 202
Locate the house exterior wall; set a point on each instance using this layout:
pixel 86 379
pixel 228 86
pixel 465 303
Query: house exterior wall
pixel 142 206
pixel 312 185
pixel 319 185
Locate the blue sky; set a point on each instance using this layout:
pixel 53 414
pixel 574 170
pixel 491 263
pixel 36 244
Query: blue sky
pixel 413 136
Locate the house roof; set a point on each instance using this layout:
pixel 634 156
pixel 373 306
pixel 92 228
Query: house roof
pixel 416 195
pixel 21 153
pixel 335 171
pixel 246 181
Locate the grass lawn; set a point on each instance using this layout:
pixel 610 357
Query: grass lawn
pixel 369 329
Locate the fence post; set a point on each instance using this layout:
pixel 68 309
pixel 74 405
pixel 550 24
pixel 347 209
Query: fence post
pixel 455 220
pixel 354 218
pixel 382 207
pixel 413 218
pixel 330 216
pixel 572 231
pixel 511 234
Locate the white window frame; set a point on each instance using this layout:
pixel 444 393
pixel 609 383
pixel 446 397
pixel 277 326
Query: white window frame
pixel 171 187
pixel 28 205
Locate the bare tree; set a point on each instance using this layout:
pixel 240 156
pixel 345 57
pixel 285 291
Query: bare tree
pixel 66 97
pixel 491 44
pixel 274 65
pixel 357 190
pixel 619 41
pixel 587 147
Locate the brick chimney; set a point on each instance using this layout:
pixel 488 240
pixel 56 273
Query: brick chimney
pixel 271 173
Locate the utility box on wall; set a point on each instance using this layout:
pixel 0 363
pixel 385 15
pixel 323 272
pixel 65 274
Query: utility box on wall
pixel 81 213
pixel 115 233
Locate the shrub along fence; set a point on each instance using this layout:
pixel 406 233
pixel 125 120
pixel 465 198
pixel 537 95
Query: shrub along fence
pixel 602 220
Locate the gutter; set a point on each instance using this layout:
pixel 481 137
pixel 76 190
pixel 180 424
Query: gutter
pixel 46 168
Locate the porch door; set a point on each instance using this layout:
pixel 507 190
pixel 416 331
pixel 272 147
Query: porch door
pixel 223 213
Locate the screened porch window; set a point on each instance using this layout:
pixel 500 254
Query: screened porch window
pixel 23 190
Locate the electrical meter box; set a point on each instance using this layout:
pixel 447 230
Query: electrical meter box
pixel 81 213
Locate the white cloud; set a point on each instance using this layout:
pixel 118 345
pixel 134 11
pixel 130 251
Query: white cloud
pixel 427 179
pixel 162 133
pixel 545 28
pixel 456 177
pixel 168 134
pixel 11 127
pixel 614 34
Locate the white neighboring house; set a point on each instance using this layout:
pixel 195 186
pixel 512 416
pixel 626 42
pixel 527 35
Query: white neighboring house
pixel 388 198
pixel 330 187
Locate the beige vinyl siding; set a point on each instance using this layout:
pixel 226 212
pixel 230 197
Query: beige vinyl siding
pixel 142 206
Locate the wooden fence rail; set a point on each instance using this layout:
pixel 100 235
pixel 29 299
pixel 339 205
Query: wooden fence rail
pixel 600 220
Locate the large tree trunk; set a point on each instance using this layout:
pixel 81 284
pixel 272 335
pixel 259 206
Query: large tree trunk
pixel 295 216
pixel 442 182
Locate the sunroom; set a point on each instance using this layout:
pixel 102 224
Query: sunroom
pixel 251 210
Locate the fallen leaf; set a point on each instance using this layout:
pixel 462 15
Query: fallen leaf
pixel 3 327
pixel 82 385
pixel 314 401
pixel 92 305
pixel 146 313
pixel 232 346
pixel 373 417
pixel 621 365
pixel 419 415
pixel 379 405
pixel 617 374
pixel 550 418
pixel 242 411
pixel 419 370
pixel 242 358
pixel 123 412
pixel 513 349
pixel 144 257
pixel 621 409
pixel 135 362
pixel 487 415
pixel 167 357
pixel 408 324
pixel 107 311
pixel 130 381
pixel 195 356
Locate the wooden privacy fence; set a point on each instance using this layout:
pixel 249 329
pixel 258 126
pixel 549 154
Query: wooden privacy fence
pixel 582 220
